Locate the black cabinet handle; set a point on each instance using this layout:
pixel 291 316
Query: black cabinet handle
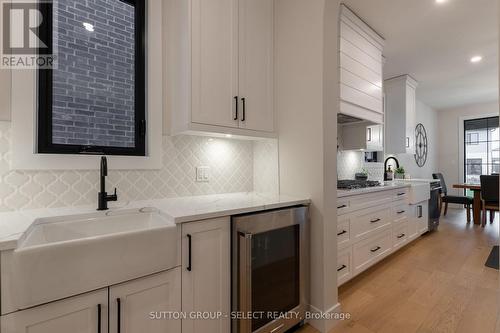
pixel 118 315
pixel 401 212
pixel 401 236
pixel 99 310
pixel 400 194
pixel 342 233
pixel 236 108
pixel 343 206
pixel 375 221
pixel 189 268
pixel 341 268
pixel 420 212
pixel 375 249
pixel 244 101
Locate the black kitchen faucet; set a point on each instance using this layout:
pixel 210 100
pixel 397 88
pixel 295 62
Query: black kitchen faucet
pixel 103 197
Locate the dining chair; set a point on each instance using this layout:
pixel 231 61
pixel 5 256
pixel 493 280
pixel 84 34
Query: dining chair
pixel 452 199
pixel 489 196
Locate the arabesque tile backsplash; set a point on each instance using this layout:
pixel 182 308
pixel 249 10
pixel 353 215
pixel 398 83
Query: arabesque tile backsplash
pixel 235 166
pixel 351 162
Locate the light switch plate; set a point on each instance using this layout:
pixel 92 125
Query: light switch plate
pixel 203 174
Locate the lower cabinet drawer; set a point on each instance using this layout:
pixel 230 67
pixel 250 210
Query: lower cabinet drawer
pixel 370 250
pixel 401 194
pixel 370 221
pixel 400 212
pixel 344 265
pixel 343 206
pixel 400 234
pixel 343 232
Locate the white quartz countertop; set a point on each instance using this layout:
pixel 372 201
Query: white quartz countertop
pixel 421 180
pixel 179 210
pixel 188 209
pixel 386 187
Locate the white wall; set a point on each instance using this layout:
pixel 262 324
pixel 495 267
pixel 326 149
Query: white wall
pixel 306 105
pixel 429 118
pixel 451 142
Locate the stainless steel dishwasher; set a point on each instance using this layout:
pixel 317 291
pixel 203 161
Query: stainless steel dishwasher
pixel 270 260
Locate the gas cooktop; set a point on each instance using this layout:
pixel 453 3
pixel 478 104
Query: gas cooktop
pixel 355 184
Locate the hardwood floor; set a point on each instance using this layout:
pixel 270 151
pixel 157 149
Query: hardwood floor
pixel 436 284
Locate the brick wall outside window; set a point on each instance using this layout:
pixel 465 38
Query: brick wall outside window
pixel 93 84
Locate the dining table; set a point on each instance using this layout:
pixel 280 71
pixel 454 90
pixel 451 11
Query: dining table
pixel 476 206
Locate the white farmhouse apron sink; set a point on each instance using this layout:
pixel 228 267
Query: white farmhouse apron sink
pixel 65 256
pixel 419 192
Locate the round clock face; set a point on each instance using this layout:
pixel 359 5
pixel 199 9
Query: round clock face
pixel 421 145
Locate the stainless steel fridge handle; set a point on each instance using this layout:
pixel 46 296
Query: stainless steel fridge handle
pixel 245 280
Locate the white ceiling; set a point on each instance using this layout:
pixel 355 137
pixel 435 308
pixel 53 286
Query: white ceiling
pixel 434 43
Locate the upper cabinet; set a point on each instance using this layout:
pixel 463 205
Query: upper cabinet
pixel 361 64
pixel 220 66
pixel 400 111
pixel 361 136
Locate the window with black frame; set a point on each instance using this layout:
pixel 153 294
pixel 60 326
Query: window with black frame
pixel 482 148
pixel 93 100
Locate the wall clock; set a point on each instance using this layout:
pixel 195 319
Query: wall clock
pixel 421 145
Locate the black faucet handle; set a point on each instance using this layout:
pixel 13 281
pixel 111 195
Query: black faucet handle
pixel 113 197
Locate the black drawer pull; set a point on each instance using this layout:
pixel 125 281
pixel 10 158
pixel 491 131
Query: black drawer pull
pixel 236 108
pixel 342 233
pixel 99 318
pixel 401 212
pixel 189 267
pixel 118 315
pixel 375 249
pixel 401 236
pixel 341 268
pixel 375 221
pixel 400 194
pixel 244 101
pixel 343 206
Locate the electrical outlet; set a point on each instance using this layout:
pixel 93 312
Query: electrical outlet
pixel 203 174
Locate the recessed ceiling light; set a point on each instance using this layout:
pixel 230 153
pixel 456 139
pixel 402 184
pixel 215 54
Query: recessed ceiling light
pixel 229 136
pixel 476 59
pixel 441 1
pixel 88 26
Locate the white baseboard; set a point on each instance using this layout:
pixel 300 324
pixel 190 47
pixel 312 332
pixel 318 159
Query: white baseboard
pixel 326 322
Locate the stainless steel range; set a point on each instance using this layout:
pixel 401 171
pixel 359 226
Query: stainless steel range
pixel 355 184
pixel 270 270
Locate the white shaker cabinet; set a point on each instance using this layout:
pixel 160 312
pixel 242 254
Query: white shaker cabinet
pixel 400 112
pixel 87 313
pixel 136 306
pixel 361 136
pixel 256 83
pixel 206 275
pixel 375 138
pixel 129 306
pixel 214 66
pixel 220 66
